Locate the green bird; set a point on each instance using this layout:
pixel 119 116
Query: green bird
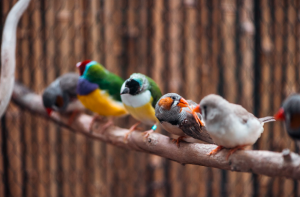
pixel 99 90
pixel 139 95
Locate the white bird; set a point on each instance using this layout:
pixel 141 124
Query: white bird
pixel 229 125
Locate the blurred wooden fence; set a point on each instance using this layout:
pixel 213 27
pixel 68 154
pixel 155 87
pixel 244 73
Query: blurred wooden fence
pixel 246 50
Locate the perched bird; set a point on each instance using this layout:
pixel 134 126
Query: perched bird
pixel 290 114
pixel 230 125
pixel 175 116
pixel 61 95
pixel 99 90
pixel 139 95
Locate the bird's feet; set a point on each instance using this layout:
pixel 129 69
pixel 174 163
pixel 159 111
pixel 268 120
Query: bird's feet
pixel 178 140
pixel 231 151
pixel 132 128
pixel 72 117
pixel 107 124
pixel 147 133
pixel 100 118
pixel 96 117
pixel 216 150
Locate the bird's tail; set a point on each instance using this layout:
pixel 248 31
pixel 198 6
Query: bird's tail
pixel 267 119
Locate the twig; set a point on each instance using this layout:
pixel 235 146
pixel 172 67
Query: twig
pixel 259 162
pixel 8 50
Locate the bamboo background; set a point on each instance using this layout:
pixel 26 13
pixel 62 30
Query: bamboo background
pixel 245 50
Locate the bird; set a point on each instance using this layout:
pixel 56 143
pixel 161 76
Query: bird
pixel 61 95
pixel 139 94
pixel 230 125
pixel 99 91
pixel 175 116
pixel 290 114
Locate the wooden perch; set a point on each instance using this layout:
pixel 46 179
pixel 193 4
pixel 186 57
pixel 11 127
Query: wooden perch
pixel 8 50
pixel 268 163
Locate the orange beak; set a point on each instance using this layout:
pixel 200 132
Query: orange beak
pixel 183 103
pixel 49 110
pixel 280 115
pixel 197 109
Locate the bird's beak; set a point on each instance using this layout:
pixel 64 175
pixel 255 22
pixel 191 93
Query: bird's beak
pixel 280 115
pixel 182 103
pixel 125 91
pixel 197 109
pixel 49 110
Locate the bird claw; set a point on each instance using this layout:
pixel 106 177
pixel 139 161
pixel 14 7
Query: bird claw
pixel 72 117
pixel 178 140
pixel 147 133
pixel 215 151
pixel 233 150
pixel 132 128
pixel 104 127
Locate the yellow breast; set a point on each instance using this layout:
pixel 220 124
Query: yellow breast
pixel 145 113
pixel 101 103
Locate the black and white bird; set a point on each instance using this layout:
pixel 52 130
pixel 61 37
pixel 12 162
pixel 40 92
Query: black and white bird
pixel 175 116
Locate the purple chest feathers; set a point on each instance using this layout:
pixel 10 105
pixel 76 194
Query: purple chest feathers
pixel 84 87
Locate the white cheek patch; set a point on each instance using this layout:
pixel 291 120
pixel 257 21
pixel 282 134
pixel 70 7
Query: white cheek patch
pixel 136 100
pixel 175 103
pixel 122 88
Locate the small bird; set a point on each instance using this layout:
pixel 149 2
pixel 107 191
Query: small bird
pixel 139 95
pixel 175 116
pixel 99 90
pixel 61 95
pixel 229 125
pixel 290 114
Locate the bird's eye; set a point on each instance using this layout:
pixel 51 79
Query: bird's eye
pixel 205 110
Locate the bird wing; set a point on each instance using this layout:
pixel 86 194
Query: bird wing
pixel 155 91
pixel 190 127
pixel 112 84
pixel 106 80
pixel 241 112
pixel 68 83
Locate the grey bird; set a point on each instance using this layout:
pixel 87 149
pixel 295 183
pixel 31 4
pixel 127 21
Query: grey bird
pixel 175 116
pixel 290 114
pixel 230 125
pixel 61 95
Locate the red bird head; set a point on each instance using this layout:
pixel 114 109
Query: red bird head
pixel 81 66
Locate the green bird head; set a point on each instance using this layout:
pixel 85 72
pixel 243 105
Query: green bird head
pixel 95 73
pixel 90 70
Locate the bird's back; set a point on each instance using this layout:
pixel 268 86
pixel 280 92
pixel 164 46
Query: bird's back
pixel 68 84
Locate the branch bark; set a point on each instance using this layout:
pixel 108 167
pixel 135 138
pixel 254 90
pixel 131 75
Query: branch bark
pixel 8 50
pixel 268 163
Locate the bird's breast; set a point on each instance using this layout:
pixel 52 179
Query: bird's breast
pixel 100 102
pixel 173 129
pixel 144 113
pixel 137 100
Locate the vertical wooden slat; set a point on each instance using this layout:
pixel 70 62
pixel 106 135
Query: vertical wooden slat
pixel 245 49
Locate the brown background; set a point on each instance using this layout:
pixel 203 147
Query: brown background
pixel 245 50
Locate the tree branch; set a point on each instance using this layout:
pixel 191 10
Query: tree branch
pixel 8 50
pixel 268 163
